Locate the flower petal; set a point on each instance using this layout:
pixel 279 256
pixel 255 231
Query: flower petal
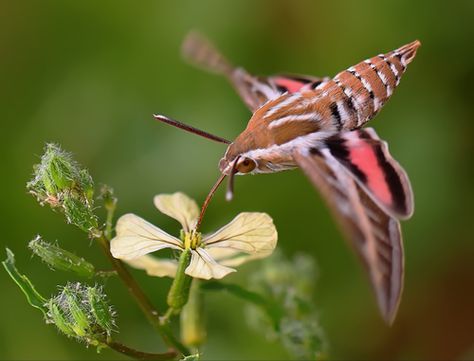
pixel 203 266
pixel 180 207
pixel 248 236
pixel 230 257
pixel 137 237
pixel 155 266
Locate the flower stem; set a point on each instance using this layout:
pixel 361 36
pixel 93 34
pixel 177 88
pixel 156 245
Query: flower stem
pixel 140 355
pixel 179 292
pixel 110 207
pixel 142 300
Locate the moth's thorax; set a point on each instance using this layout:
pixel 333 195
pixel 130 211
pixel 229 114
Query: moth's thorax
pixel 271 146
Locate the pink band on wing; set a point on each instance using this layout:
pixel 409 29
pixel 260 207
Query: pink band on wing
pixel 292 85
pixel 363 156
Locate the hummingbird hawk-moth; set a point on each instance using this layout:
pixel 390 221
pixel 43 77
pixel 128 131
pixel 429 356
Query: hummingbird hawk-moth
pixel 316 124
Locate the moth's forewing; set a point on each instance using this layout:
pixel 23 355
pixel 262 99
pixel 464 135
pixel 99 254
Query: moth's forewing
pixel 199 51
pixel 254 90
pixel 374 235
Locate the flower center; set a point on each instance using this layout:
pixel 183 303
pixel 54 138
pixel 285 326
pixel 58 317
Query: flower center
pixel 192 239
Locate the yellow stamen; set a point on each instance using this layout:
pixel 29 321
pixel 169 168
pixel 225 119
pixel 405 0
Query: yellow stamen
pixel 192 239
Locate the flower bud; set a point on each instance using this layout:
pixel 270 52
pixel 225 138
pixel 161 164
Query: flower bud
pixel 100 309
pixel 60 182
pixel 108 197
pixel 82 312
pixel 56 315
pixel 79 213
pixel 60 259
pixel 56 173
pixel 87 185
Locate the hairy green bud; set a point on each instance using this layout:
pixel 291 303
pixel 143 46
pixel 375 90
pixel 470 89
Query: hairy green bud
pixel 78 311
pixel 82 312
pixel 100 310
pixel 87 185
pixel 60 319
pixel 56 172
pixel 60 259
pixel 60 182
pixel 79 213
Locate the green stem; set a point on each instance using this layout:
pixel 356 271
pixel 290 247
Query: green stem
pixel 140 355
pixel 142 300
pixel 109 220
pixel 179 292
pixel 166 317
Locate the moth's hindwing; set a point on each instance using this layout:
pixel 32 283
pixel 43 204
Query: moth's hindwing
pixel 366 157
pixel 373 233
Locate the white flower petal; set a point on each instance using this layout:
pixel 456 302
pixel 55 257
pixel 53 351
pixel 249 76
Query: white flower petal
pixel 180 207
pixel 230 257
pixel 249 236
pixel 136 237
pixel 155 266
pixel 203 266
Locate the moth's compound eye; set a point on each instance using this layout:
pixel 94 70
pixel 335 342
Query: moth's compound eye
pixel 223 163
pixel 246 165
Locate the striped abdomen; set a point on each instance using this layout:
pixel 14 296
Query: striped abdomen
pixel 358 93
pixel 346 102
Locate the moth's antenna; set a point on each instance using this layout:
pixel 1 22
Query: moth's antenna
pixel 190 129
pixel 230 186
pixel 208 199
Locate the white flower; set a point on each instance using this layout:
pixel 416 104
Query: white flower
pixel 248 236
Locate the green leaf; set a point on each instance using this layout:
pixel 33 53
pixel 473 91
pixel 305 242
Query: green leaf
pixel 33 297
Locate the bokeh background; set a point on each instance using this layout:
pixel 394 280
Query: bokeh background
pixel 89 75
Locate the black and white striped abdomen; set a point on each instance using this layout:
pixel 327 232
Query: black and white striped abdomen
pixel 364 88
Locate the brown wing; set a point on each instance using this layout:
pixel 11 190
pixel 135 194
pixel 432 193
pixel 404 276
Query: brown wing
pixel 374 235
pixel 254 91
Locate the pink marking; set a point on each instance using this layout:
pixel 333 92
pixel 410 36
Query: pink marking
pixel 363 156
pixel 292 85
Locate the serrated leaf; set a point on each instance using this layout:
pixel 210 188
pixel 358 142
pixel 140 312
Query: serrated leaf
pixel 32 296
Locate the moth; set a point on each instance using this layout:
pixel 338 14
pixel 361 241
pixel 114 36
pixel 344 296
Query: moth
pixel 316 124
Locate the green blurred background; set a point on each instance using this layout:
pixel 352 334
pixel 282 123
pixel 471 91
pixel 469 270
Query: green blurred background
pixel 89 75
